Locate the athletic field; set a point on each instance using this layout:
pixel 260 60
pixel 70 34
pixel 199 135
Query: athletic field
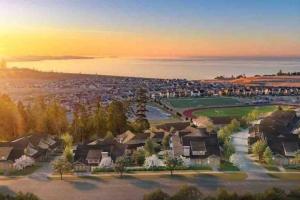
pixel 202 102
pixel 233 111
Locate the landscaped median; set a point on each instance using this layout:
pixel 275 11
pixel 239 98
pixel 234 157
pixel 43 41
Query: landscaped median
pixel 189 174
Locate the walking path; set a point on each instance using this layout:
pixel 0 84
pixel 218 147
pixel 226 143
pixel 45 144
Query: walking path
pixel 242 159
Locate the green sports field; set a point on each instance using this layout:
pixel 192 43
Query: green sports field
pixel 202 102
pixel 233 111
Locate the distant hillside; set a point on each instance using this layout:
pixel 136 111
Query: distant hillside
pixel 25 73
pixel 39 58
pixel 22 73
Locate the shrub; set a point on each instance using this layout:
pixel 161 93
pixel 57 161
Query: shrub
pixel 138 157
pixel 156 195
pixel 187 193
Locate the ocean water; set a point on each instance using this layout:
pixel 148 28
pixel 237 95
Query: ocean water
pixel 200 68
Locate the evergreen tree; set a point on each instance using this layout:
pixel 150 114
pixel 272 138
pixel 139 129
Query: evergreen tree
pixel 11 121
pixel 117 119
pixel 141 122
pixel 99 122
pixel 268 156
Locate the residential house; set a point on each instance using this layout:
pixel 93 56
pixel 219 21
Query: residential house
pixel 196 145
pixel 88 155
pixel 38 147
pixel 277 130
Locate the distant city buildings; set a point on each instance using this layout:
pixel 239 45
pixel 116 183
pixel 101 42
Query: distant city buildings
pixel 73 89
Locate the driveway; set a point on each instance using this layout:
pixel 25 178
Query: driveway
pixel 242 159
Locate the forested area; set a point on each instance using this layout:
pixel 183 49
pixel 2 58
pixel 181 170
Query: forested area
pixel 43 117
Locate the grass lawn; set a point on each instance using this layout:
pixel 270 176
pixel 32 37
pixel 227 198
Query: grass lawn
pixel 233 112
pixel 227 166
pixel 24 172
pixel 285 176
pixel 202 102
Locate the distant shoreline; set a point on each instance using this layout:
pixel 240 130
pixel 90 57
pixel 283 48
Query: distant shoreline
pixel 157 69
pixel 158 59
pixel 44 58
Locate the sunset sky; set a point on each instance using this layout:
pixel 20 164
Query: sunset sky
pixel 149 28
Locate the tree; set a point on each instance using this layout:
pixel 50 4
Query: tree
pixel 235 125
pixel 156 195
pixel 141 123
pixel 61 166
pixel 252 116
pixel 172 163
pixel 120 165
pixel 82 126
pixel 11 121
pixel 24 115
pixel 258 148
pixel 187 193
pixel 23 162
pixel 223 135
pixel 117 119
pixel 37 116
pixel 47 118
pixel 149 147
pixel 67 139
pixel 68 153
pixel 268 156
pixel 56 121
pixel 99 121
pixel 68 144
pixel 166 142
pixel 139 156
pixel 228 150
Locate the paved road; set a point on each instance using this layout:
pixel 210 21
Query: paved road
pixel 243 160
pixel 129 188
